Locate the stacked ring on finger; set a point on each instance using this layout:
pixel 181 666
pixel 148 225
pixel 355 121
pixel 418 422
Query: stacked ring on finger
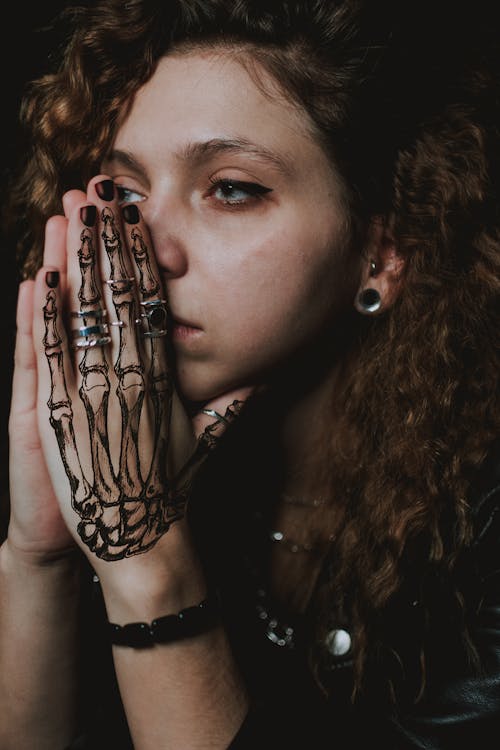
pixel 216 415
pixel 88 336
pixel 155 313
pixel 97 314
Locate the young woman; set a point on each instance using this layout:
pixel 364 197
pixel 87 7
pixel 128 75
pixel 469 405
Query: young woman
pixel 255 421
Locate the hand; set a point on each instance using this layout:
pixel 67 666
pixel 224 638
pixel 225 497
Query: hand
pixel 37 529
pixel 120 450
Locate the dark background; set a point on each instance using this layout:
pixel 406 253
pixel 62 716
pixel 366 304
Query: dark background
pixel 24 55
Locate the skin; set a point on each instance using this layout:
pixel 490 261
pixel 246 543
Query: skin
pixel 255 281
pixel 260 277
pixel 263 276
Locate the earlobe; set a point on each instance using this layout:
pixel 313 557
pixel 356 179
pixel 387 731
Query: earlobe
pixel 368 301
pixel 381 276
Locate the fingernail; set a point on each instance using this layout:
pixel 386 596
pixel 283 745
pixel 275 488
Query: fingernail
pixel 88 215
pixel 105 190
pixel 131 214
pixel 52 279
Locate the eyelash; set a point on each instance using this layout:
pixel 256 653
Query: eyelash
pixel 124 191
pixel 254 190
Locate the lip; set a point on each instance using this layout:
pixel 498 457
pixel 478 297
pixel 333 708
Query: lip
pixel 178 321
pixel 183 329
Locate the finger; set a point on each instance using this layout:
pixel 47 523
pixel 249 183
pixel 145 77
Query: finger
pixel 102 192
pixel 153 328
pixel 116 265
pixel 151 294
pixel 90 340
pixel 88 314
pixel 129 364
pixel 55 390
pixel 211 422
pixel 54 252
pixel 152 303
pixel 71 199
pixel 24 382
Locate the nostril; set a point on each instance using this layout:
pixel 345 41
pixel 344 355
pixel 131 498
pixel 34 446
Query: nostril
pixel 170 272
pixel 170 258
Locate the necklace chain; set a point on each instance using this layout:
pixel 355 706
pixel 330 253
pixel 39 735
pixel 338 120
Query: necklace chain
pixel 278 632
pixel 292 544
pixel 282 632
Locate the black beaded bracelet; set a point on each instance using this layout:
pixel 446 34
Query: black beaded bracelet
pixel 187 623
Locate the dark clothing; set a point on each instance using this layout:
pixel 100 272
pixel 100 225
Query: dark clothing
pixel 460 707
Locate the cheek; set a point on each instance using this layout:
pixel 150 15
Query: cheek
pixel 265 303
pixel 282 294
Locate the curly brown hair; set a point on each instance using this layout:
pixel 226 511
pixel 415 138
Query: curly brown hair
pixel 407 106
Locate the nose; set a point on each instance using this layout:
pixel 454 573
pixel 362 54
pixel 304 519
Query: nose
pixel 168 235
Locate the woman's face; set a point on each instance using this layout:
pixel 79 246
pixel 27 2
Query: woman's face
pixel 245 216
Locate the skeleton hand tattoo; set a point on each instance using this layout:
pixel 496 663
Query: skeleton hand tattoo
pixel 122 512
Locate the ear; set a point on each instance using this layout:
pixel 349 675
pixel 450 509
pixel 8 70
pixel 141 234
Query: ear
pixel 381 270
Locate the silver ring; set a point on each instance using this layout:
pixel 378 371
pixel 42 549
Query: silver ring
pixel 85 331
pixel 154 334
pixel 99 313
pixel 89 343
pixel 155 312
pixel 213 413
pixel 154 303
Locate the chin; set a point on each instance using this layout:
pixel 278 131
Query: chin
pixel 197 389
pixel 201 387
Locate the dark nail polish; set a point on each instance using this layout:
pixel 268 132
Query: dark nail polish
pixel 105 190
pixel 88 215
pixel 131 214
pixel 52 279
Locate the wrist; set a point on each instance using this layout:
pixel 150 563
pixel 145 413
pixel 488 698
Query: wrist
pixel 16 557
pixel 39 583
pixel 190 622
pixel 167 578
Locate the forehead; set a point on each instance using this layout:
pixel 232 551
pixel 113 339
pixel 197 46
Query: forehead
pixel 202 95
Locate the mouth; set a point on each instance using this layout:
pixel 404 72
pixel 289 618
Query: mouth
pixel 183 329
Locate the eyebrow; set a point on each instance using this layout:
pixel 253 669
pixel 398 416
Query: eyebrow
pixel 126 160
pixel 198 152
pixel 204 150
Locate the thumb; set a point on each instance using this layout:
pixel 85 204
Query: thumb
pixel 209 424
pixel 216 416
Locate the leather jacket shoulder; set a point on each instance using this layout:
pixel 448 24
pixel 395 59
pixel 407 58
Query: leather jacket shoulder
pixel 460 705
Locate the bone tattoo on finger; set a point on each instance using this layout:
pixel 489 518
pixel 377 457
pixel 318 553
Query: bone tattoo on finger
pixel 123 511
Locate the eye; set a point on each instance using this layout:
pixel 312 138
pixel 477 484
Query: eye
pixel 236 193
pixel 126 195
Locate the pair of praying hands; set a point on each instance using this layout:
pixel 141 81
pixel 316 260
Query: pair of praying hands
pixel 96 387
